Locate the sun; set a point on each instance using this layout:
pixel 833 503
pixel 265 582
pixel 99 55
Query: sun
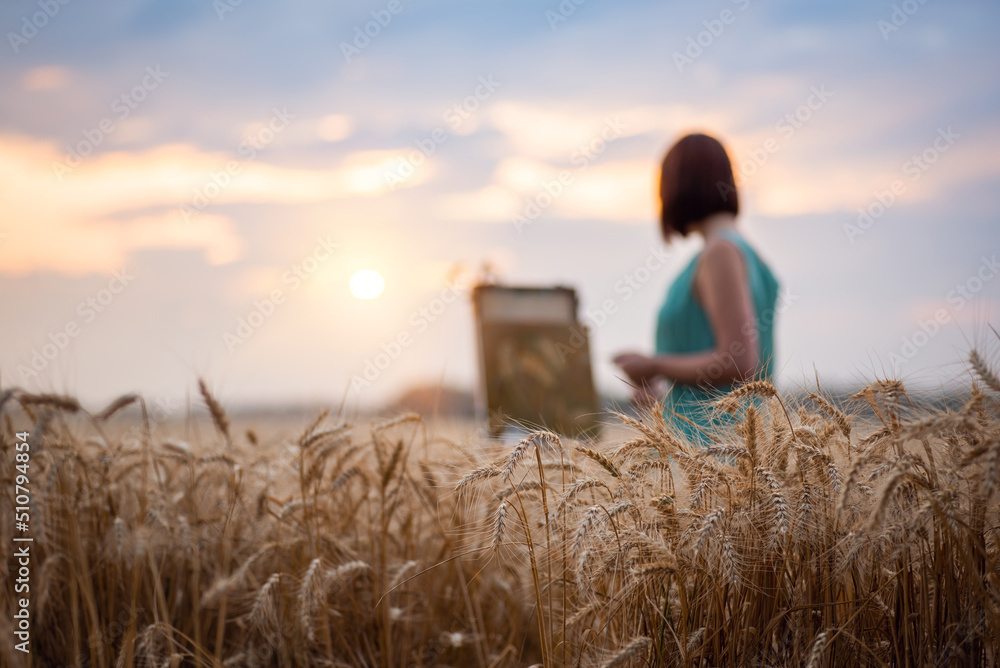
pixel 367 284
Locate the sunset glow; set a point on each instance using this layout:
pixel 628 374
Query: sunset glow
pixel 253 184
pixel 367 284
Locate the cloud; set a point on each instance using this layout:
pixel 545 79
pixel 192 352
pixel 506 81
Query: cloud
pixel 90 218
pixel 48 77
pixel 795 182
pixel 551 132
pixel 335 127
pixel 539 131
pixel 623 191
pixel 494 203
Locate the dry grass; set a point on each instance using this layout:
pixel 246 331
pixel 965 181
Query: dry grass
pixel 802 538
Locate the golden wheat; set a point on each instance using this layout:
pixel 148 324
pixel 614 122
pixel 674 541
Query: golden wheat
pixel 807 534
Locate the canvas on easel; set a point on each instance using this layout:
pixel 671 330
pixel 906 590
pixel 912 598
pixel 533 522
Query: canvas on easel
pixel 534 360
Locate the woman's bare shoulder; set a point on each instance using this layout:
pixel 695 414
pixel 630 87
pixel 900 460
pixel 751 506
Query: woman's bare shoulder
pixel 721 251
pixel 720 262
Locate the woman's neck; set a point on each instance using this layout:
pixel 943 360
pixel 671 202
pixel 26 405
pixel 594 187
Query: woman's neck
pixel 710 227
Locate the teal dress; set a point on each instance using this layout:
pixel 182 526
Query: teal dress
pixel 682 327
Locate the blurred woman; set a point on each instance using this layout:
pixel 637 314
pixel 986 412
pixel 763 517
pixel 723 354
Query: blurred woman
pixel 716 325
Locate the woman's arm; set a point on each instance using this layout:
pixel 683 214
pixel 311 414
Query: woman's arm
pixel 720 286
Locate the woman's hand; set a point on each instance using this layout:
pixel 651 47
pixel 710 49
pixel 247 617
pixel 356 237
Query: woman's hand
pixel 640 369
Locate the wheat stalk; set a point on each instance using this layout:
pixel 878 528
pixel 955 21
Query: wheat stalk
pixel 116 405
pixel 215 409
pixel 606 462
pixel 983 370
pixel 499 526
pixel 630 651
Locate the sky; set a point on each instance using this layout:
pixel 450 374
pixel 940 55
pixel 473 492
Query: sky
pixel 187 187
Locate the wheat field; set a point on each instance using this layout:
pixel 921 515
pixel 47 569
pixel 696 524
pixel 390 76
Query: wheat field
pixel 806 535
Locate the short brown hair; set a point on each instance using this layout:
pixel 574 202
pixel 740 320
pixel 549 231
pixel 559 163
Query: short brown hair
pixel 696 181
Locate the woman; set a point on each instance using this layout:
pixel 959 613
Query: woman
pixel 716 326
